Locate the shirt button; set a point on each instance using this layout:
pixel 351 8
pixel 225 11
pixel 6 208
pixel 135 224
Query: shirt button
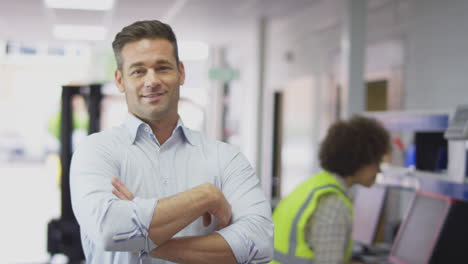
pixel 147 129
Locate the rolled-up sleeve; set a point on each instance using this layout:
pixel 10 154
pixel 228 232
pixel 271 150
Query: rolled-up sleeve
pixel 112 224
pixel 250 235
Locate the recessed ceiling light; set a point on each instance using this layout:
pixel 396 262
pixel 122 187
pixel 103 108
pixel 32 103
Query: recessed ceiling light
pixel 79 32
pixel 81 4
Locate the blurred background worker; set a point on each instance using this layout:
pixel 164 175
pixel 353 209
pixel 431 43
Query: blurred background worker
pixel 313 223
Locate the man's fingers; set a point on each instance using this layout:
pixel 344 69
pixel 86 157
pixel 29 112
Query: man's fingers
pixel 119 194
pixel 223 217
pixel 117 191
pixel 122 188
pixel 206 219
pixel 221 210
pixel 223 222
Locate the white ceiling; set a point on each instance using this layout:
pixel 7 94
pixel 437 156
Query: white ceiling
pixel 202 20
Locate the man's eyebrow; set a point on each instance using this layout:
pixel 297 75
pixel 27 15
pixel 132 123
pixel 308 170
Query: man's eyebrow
pixel 160 61
pixel 136 64
pixel 163 61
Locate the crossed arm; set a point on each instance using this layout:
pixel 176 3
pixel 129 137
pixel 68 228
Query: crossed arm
pixel 176 212
pixel 113 224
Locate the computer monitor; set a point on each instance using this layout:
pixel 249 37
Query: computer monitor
pixel 368 205
pixel 431 151
pixel 420 229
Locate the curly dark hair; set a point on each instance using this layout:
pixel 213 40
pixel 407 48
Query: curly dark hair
pixel 353 144
pixel 146 29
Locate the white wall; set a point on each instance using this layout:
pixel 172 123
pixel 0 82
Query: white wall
pixel 242 54
pixel 424 40
pixel 300 48
pixel 437 54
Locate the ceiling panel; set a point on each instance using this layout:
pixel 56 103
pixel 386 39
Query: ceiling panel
pixel 142 4
pixel 67 16
pixel 198 19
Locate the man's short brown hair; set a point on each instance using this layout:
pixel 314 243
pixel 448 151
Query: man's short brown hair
pixel 147 29
pixel 353 144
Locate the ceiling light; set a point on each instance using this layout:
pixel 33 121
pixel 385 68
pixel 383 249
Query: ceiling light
pixel 79 32
pixel 81 4
pixel 191 50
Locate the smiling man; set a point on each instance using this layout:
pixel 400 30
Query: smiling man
pixel 154 191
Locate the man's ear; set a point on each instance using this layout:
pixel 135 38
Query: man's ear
pixel 181 73
pixel 118 80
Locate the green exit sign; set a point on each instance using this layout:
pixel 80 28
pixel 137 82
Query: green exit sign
pixel 223 74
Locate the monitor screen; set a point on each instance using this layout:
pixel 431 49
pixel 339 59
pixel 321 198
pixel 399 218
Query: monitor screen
pixel 368 204
pixel 420 229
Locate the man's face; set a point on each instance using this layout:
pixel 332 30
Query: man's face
pixel 150 79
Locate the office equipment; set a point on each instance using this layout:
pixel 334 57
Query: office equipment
pixel 451 245
pixel 439 233
pixel 457 135
pixel 458 126
pixel 431 151
pixel 454 124
pixel 368 205
pixel 420 229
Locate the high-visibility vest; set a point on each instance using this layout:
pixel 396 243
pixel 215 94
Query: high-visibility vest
pixel 291 216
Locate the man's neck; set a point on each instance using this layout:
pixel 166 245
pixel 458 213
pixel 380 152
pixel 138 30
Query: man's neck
pixel 162 129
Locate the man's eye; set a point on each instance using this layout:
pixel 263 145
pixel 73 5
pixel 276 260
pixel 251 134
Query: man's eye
pixel 137 72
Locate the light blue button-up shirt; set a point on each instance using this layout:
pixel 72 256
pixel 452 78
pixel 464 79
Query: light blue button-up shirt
pixel 116 231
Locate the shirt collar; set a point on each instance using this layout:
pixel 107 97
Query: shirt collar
pixel 341 181
pixel 188 134
pixel 133 124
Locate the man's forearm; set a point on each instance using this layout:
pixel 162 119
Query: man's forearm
pixel 174 213
pixel 197 249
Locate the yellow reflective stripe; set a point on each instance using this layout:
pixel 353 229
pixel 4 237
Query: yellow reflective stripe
pixel 293 235
pixel 290 217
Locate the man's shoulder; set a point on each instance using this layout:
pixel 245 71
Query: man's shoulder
pixel 207 142
pixel 112 138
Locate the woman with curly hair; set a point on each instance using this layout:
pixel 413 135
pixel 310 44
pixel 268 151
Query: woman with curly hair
pixel 313 223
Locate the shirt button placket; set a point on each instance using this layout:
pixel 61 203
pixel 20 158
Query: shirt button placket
pixel 160 170
pixel 164 175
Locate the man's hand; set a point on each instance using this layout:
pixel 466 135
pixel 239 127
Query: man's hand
pixel 206 219
pixel 120 190
pixel 220 208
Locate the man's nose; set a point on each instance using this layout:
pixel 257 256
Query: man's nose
pixel 152 79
